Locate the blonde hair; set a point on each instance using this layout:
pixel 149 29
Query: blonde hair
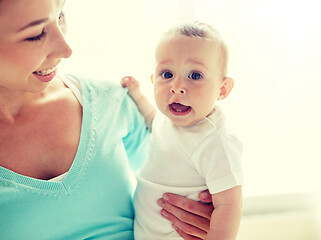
pixel 202 30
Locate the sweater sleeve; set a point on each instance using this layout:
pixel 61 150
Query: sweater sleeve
pixel 111 97
pixel 137 138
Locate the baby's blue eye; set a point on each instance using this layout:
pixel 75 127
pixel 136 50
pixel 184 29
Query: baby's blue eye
pixel 167 75
pixel 195 76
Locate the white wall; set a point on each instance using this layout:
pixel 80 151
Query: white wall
pixel 275 58
pixel 280 217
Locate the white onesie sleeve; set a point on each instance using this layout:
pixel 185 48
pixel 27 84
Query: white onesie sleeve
pixel 218 159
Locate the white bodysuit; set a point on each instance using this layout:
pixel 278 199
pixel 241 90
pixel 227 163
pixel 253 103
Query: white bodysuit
pixel 185 161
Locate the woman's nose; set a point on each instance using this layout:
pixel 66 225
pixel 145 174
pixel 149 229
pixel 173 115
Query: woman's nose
pixel 60 48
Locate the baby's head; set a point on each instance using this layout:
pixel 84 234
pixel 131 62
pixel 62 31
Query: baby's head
pixel 204 31
pixel 190 75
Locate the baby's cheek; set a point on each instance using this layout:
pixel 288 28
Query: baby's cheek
pixel 160 92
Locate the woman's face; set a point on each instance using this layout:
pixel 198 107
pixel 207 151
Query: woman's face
pixel 32 43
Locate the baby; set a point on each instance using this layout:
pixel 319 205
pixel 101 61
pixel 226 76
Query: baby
pixel 191 148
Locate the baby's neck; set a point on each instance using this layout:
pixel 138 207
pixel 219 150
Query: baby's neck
pixel 213 110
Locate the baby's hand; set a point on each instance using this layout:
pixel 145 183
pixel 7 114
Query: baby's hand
pixel 144 106
pixel 133 87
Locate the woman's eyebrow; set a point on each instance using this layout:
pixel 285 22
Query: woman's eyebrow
pixel 34 23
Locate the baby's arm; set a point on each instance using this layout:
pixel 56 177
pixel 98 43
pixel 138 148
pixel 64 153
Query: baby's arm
pixel 143 105
pixel 226 217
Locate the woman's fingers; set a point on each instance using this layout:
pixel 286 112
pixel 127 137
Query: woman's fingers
pixel 190 218
pixel 185 230
pixel 186 236
pixel 205 196
pixel 183 217
pixel 198 208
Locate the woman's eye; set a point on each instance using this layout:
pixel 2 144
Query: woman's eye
pixel 195 76
pixel 38 37
pixel 167 75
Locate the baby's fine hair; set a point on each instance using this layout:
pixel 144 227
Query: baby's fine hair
pixel 202 30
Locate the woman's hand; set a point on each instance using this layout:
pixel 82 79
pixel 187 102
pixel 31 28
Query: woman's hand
pixel 191 219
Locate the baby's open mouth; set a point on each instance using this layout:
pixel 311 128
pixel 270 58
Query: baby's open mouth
pixel 179 108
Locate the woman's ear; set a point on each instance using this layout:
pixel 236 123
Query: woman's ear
pixel 226 88
pixel 152 78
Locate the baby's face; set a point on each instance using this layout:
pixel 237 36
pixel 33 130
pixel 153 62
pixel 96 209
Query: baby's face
pixel 188 78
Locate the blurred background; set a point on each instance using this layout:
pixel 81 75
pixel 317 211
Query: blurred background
pixel 275 60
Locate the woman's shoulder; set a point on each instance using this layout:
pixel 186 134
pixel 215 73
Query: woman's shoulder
pixel 99 86
pixel 87 82
pixel 103 92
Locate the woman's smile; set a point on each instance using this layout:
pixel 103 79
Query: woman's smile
pixel 46 75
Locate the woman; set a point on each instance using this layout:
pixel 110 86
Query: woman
pixel 67 143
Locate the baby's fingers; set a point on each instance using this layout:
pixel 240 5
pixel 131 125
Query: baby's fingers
pixel 125 81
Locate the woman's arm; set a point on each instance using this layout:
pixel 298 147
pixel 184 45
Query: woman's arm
pixel 191 219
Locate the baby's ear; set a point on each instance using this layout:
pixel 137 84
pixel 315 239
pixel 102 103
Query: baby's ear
pixel 226 88
pixel 152 78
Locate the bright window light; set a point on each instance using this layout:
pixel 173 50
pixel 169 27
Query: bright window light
pixel 275 60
